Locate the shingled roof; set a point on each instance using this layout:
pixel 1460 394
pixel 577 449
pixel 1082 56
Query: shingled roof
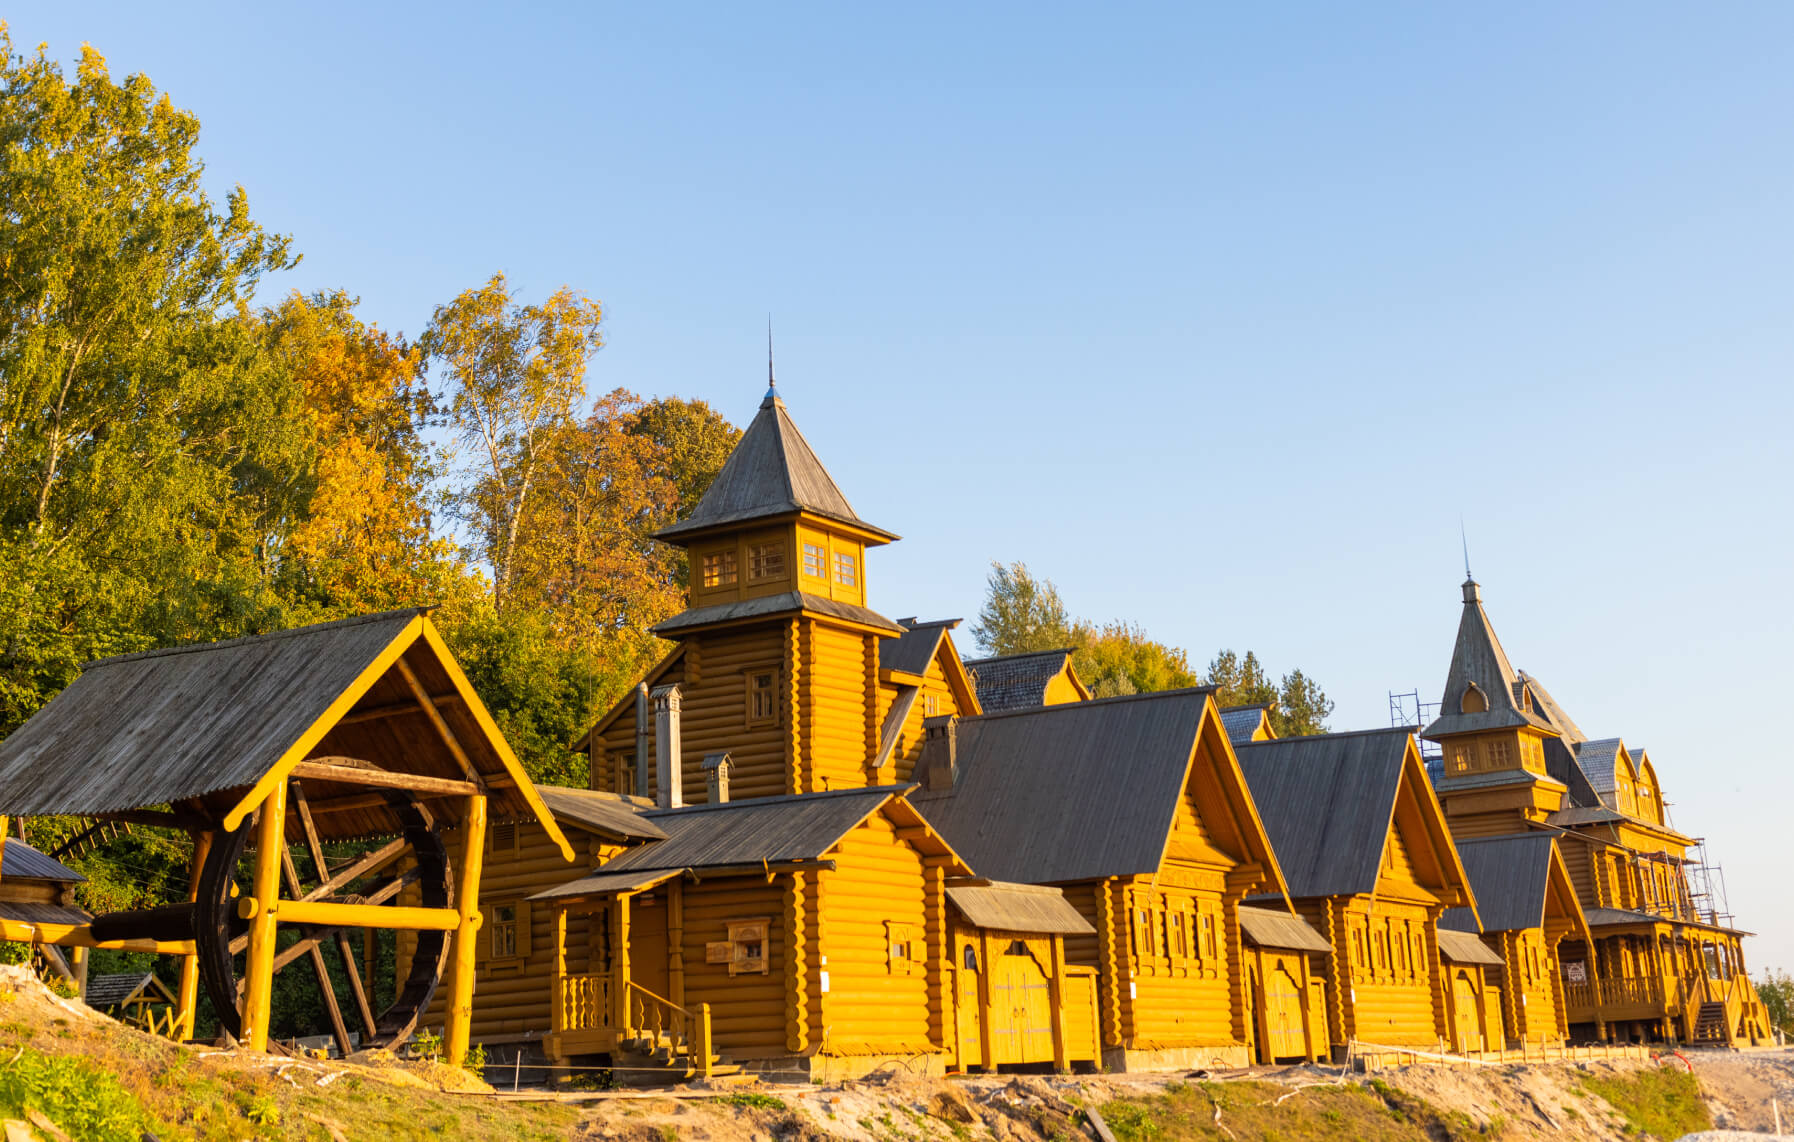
pixel 208 723
pixel 914 652
pixel 1015 681
pixel 773 605
pixel 1552 710
pixel 772 472
pixel 1242 722
pixel 1510 876
pixel 1478 660
pixel 23 862
pixel 1080 790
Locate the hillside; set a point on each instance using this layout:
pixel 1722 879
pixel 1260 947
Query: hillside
pixel 76 1074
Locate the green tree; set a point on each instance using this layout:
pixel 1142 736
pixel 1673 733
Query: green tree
pixel 1118 658
pixel 1297 704
pixel 516 373
pixel 1021 613
pixel 695 440
pixel 1776 990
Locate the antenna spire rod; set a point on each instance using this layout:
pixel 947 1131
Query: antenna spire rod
pixel 1464 536
pixel 770 383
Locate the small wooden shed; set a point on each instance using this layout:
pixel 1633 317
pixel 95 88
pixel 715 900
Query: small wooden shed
pixel 138 999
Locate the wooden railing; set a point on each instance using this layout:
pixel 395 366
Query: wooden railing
pixel 1622 992
pixel 585 1002
pixel 650 1016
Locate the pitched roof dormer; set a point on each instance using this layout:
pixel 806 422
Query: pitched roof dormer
pixel 1482 689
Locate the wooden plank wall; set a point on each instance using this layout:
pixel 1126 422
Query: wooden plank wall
pixel 875 1006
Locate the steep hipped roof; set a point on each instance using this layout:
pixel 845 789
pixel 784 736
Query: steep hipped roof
pixel 772 472
pixel 23 862
pixel 1510 876
pixel 1328 801
pixel 1478 660
pixel 1016 681
pixel 1082 789
pixel 213 723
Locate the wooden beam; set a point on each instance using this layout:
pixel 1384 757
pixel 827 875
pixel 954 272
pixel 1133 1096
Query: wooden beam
pixel 442 727
pixel 386 892
pixel 378 859
pixel 383 779
pixel 316 849
pixel 270 843
pixel 333 915
pixel 319 968
pixel 698 874
pixel 467 926
pixel 395 709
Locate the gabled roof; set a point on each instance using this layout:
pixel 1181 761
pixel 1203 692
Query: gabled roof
pixel 772 472
pixel 1477 659
pixel 767 605
pixel 606 814
pixel 105 991
pixel 802 826
pixel 219 723
pixel 1599 762
pixel 23 862
pixel 1553 712
pixel 1329 802
pixel 1243 723
pixel 1083 790
pixel 1510 876
pixel 1016 681
pixel 914 651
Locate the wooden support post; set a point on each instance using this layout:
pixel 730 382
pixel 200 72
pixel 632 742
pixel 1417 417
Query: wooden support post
pixel 1261 1016
pixel 619 964
pixel 1056 997
pixel 4 821
pixel 79 956
pixel 467 904
pixel 705 1055
pixel 188 999
pixel 676 941
pixel 557 1018
pixel 270 843
pixel 985 967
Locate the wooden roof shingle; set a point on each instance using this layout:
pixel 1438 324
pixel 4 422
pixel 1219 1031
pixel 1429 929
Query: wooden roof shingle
pixel 23 862
pixel 772 472
pixel 1015 681
pixel 1510 876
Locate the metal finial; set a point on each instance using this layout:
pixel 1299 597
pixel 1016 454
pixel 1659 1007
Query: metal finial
pixel 1464 537
pixel 772 386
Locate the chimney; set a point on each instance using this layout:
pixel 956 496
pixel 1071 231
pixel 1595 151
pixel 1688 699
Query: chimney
pixel 716 778
pixel 938 767
pixel 641 740
pixel 668 780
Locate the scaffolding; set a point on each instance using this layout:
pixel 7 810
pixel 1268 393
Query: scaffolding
pixel 1406 709
pixel 1706 887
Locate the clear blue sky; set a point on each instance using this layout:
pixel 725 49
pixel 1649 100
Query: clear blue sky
pixel 1221 317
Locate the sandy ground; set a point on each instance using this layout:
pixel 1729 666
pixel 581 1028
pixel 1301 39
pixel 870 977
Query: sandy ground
pixel 1525 1102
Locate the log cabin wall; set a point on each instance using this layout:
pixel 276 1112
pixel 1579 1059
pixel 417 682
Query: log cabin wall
pixel 1182 963
pixel 749 1010
pixel 838 706
pixel 884 971
pixel 1392 980
pixel 934 698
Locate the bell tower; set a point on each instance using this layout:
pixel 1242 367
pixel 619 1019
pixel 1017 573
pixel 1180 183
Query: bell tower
pixel 1493 735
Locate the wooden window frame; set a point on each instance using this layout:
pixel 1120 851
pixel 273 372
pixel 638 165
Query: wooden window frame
pixel 518 926
pixel 818 552
pixel 847 569
pixel 760 556
pixel 739 936
pixel 901 949
pixel 723 574
pixel 749 694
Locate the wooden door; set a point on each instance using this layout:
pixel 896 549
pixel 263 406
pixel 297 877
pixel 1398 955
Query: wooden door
pixel 1021 1018
pixel 1468 1007
pixel 1283 1011
pixel 969 1008
pixel 648 945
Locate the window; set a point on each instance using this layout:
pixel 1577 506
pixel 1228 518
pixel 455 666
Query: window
pixel 1474 700
pixel 815 560
pixel 719 569
pixel 1208 935
pixel 502 839
pixel 1180 943
pixel 766 561
pixel 1460 759
pixel 763 696
pixel 847 569
pixel 744 952
pixel 504 931
pixel 931 705
pixel 1501 754
pixel 901 947
pixel 971 958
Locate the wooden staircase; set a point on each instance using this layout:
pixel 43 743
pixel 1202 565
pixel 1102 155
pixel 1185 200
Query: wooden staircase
pixel 1710 1024
pixel 654 1058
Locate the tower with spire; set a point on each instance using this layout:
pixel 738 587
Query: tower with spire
pixel 776 655
pixel 1494 734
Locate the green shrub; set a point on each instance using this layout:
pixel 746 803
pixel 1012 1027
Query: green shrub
pixel 83 1099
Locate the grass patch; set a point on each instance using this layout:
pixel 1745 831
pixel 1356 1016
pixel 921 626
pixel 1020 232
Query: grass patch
pixel 1662 1101
pixel 81 1098
pixel 1348 1113
pixel 756 1101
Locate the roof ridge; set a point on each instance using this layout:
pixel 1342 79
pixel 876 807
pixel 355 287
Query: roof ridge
pixel 243 640
pixel 1182 691
pixel 1024 654
pixel 784 799
pixel 1405 731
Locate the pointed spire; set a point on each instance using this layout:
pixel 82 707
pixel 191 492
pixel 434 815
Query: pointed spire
pixel 772 386
pixel 1478 663
pixel 772 472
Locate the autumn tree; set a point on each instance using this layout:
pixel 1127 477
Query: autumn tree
pixel 516 374
pixel 695 441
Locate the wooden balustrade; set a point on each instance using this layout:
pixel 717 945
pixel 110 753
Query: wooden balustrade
pixel 1629 991
pixel 585 1002
pixel 664 1022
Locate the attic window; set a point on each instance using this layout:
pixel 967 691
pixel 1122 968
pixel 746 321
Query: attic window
pixel 815 560
pixel 1474 700
pixel 931 705
pixel 847 569
pixel 719 569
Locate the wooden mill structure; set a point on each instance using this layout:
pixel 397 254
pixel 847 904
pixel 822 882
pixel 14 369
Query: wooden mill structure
pixel 1656 960
pixel 364 728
